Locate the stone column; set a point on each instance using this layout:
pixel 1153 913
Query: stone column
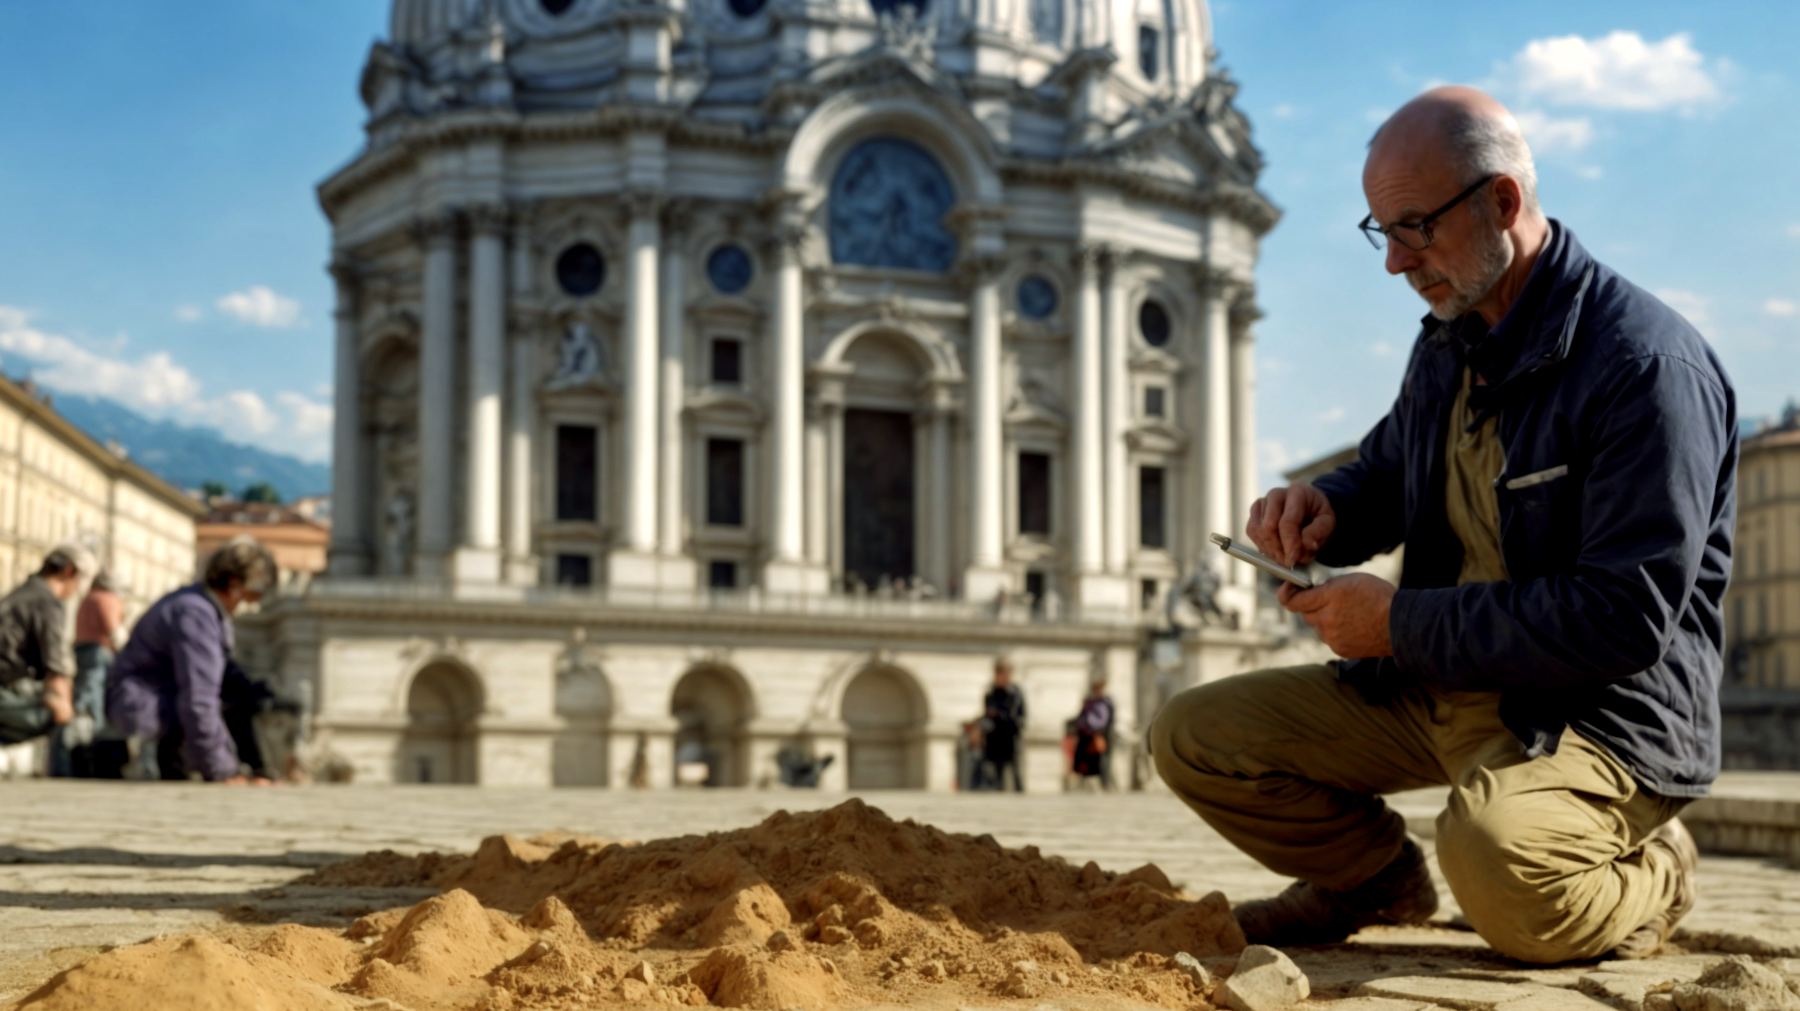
pixel 986 575
pixel 1114 468
pixel 787 570
pixel 633 562
pixel 1243 425
pixel 671 525
pixel 350 505
pixel 1214 445
pixel 522 566
pixel 477 559
pixel 1095 588
pixel 437 382
pixel 828 397
pixel 818 484
pixel 939 415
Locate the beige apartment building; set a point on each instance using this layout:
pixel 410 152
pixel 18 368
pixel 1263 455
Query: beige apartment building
pixel 58 484
pixel 1762 607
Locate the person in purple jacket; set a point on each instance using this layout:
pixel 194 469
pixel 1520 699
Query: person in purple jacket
pixel 167 683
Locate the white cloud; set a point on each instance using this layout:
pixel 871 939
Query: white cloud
pixel 1381 349
pixel 1333 414
pixel 1616 71
pixel 1794 230
pixel 155 385
pixel 1691 305
pixel 1283 111
pixel 1548 134
pixel 258 305
pixel 187 313
pixel 1781 307
pixel 1590 172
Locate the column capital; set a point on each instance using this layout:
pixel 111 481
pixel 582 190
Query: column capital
pixel 678 217
pixel 1100 257
pixel 489 218
pixel 1221 284
pixel 978 269
pixel 1244 312
pixel 436 229
pixel 643 202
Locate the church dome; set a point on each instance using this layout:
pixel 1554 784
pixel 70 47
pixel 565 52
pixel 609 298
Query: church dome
pixel 734 59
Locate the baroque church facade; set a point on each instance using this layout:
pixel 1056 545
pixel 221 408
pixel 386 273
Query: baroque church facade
pixel 726 382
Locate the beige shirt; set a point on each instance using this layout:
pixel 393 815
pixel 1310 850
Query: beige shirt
pixel 1473 460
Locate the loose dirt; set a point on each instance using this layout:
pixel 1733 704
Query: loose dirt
pixel 826 910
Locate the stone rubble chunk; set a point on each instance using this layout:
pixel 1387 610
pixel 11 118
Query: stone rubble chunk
pixel 642 973
pixel 1736 984
pixel 1265 980
pixel 1187 963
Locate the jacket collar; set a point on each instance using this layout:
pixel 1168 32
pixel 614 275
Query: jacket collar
pixel 1539 330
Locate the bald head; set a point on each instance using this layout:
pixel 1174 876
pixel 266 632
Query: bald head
pixel 1461 131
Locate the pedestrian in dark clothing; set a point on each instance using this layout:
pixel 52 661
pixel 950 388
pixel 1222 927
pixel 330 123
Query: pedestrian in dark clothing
pixel 1561 465
pixel 1003 724
pixel 36 669
pixel 1093 736
pixel 168 689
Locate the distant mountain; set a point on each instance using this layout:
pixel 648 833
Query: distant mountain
pixel 189 457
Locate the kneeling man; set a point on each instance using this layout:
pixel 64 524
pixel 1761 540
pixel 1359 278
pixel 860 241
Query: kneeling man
pixel 1560 465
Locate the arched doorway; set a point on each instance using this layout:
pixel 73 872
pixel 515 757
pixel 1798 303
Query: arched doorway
pixel 882 478
pixel 885 713
pixel 584 705
pixel 439 743
pixel 711 706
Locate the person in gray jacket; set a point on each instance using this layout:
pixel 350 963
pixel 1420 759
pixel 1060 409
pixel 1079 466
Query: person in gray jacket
pixel 36 668
pixel 1561 465
pixel 168 685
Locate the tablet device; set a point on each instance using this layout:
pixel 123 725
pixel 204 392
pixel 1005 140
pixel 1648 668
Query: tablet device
pixel 1262 561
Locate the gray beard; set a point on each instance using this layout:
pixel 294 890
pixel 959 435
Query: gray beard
pixel 1493 254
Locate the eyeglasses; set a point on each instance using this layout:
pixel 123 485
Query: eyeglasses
pixel 1415 235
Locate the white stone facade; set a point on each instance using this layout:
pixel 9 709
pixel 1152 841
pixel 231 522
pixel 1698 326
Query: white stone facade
pixel 724 376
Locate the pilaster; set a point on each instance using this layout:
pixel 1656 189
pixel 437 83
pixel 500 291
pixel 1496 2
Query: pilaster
pixel 350 548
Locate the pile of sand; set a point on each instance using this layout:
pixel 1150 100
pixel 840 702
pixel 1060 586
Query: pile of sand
pixel 831 909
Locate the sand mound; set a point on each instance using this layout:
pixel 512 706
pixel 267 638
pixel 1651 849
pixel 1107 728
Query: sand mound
pixel 193 973
pixel 830 909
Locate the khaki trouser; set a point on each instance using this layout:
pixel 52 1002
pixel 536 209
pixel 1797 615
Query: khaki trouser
pixel 1546 856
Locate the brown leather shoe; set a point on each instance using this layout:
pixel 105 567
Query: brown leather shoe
pixel 1648 939
pixel 1400 893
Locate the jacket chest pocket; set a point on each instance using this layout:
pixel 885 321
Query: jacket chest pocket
pixel 1540 520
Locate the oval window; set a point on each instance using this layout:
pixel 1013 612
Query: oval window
pixel 1153 323
pixel 1037 297
pixel 555 7
pixel 581 270
pixel 729 269
pixel 746 8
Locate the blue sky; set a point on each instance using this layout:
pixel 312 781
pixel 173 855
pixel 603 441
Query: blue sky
pixel 162 246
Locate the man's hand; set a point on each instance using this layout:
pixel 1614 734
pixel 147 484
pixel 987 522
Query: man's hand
pixel 59 698
pixel 1350 613
pixel 1291 524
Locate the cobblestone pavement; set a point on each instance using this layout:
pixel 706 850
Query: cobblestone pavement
pixel 85 865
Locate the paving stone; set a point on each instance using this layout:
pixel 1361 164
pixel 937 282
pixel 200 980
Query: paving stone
pixel 1461 994
pixel 1555 999
pixel 1371 1004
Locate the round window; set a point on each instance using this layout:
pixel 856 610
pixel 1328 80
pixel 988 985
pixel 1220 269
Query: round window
pixel 557 6
pixel 1153 323
pixel 581 270
pixel 729 269
pixel 746 8
pixel 1037 297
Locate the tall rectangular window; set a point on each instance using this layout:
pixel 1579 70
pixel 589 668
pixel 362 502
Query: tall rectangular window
pixel 577 472
pixel 727 361
pixel 1034 493
pixel 725 482
pixel 574 570
pixel 1151 531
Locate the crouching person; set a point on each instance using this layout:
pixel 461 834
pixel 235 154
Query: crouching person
pixel 168 689
pixel 36 672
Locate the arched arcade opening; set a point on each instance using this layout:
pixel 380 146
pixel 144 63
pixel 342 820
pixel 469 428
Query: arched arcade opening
pixel 711 706
pixel 439 743
pixel 884 711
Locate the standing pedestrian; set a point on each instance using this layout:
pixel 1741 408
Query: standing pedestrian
pixel 1004 722
pixel 36 675
pixel 99 635
pixel 1093 737
pixel 172 691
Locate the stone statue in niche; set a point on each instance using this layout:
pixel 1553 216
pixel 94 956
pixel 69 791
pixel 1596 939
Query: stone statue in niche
pixel 581 358
pixel 397 534
pixel 888 202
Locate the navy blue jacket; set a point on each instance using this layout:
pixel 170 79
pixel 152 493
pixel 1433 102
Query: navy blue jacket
pixel 170 674
pixel 1616 510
